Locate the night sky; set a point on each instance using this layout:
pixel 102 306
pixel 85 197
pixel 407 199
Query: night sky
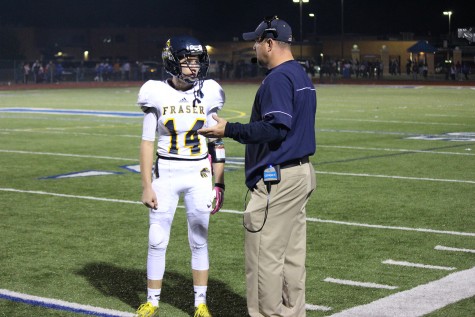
pixel 224 19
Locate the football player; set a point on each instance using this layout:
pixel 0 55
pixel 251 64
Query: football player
pixel 185 165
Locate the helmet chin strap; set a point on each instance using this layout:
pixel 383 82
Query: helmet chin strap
pixel 197 93
pixel 187 79
pixel 197 88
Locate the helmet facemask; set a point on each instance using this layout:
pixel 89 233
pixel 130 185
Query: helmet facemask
pixel 190 69
pixel 175 57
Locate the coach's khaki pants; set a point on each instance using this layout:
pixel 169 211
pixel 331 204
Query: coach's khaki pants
pixel 275 256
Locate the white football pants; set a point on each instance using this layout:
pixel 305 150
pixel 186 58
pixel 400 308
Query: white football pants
pixel 193 180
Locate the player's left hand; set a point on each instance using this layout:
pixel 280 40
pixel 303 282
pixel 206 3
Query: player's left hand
pixel 218 198
pixel 216 131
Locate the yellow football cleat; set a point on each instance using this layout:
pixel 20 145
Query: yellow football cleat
pixel 147 310
pixel 202 311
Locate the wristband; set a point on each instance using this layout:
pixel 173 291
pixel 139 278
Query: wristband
pixel 219 185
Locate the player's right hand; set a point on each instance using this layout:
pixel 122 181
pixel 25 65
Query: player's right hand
pixel 218 198
pixel 149 198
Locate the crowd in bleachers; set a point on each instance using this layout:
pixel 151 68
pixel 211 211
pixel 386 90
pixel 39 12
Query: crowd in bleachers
pixel 351 69
pixel 57 71
pixel 38 72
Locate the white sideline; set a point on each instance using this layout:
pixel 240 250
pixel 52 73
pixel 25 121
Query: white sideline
pixel 317 307
pixel 420 300
pixel 394 150
pixel 346 223
pixel 419 265
pixel 356 283
pixel 356 224
pixel 443 248
pixel 70 155
pixel 62 305
pixel 398 177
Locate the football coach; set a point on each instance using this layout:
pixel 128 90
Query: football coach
pixel 279 139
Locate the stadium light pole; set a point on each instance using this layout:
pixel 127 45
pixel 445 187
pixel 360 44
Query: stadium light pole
pixel 301 32
pixel 449 38
pixel 314 17
pixel 342 29
pixel 449 13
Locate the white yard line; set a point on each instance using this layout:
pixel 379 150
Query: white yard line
pixel 317 307
pixel 443 248
pixel 419 265
pixel 393 121
pixel 359 284
pixel 37 192
pixel 71 155
pixel 317 172
pixel 240 212
pixel 62 305
pixel 399 177
pixel 420 300
pixel 394 150
pixel 63 131
pixel 356 224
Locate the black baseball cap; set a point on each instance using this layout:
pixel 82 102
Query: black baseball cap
pixel 271 28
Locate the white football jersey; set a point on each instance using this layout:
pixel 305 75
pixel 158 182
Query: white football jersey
pixel 177 119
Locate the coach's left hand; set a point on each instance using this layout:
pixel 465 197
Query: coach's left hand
pixel 216 131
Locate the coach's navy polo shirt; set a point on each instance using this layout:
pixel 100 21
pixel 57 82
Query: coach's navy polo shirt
pixel 286 97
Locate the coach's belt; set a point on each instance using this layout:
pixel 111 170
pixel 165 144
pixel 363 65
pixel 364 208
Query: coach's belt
pixel 293 163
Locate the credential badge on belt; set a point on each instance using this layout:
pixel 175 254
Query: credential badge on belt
pixel 272 174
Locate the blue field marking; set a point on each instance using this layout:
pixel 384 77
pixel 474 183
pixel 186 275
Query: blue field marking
pixel 74 112
pixel 452 136
pixel 61 305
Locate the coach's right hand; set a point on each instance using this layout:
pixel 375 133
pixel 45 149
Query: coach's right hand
pixel 149 198
pixel 216 131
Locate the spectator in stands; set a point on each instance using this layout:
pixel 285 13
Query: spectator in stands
pixel 425 70
pixel 36 68
pixel 143 71
pixel 458 68
pixel 116 70
pixel 362 69
pixel 465 70
pixel 126 71
pixel 50 71
pixel 58 72
pixel 346 69
pixel 26 72
pixel 379 69
pixel 80 71
pixel 408 67
pixel 107 71
pixel 99 70
pixel 40 77
pixel 453 71
pixel 415 70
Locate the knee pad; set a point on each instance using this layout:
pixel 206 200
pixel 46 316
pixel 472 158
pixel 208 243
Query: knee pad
pixel 157 237
pixel 197 235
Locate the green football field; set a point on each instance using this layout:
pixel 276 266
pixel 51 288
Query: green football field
pixel 391 226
